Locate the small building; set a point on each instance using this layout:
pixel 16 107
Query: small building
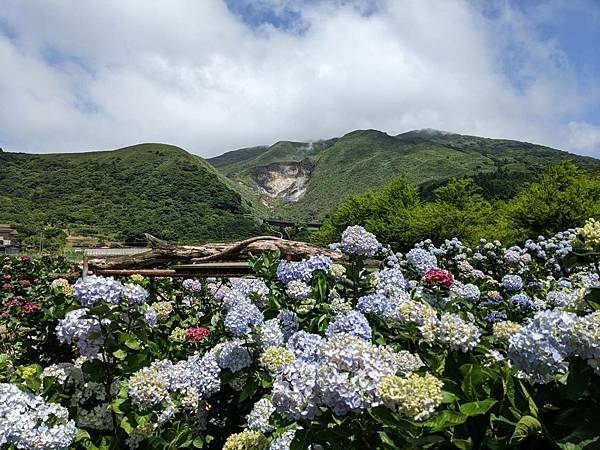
pixel 8 244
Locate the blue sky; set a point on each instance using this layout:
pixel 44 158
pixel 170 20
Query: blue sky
pixel 216 75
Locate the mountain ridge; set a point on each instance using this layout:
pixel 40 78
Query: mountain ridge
pixel 367 159
pixel 118 195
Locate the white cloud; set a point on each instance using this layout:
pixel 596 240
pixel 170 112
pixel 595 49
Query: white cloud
pixel 584 137
pixel 91 75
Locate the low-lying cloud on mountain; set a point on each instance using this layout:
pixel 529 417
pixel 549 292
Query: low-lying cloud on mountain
pixel 212 76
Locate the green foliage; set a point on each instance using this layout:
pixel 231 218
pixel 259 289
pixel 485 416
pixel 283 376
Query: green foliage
pixel 562 196
pixel 120 195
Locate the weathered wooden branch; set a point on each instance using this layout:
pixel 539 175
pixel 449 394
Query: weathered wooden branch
pixel 163 253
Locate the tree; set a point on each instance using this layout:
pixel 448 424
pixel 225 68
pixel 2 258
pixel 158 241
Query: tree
pixel 562 197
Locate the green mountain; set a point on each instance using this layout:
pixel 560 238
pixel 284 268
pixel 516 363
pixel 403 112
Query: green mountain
pixel 116 196
pixel 306 181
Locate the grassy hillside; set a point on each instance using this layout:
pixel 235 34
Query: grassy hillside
pixel 368 159
pixel 119 195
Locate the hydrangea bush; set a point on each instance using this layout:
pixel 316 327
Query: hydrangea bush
pixel 443 347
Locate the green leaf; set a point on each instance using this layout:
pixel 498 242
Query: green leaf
pixel 463 444
pixel 593 298
pixel 444 419
pixel 386 439
pixel 477 407
pixel 133 343
pixel 449 397
pixel 82 435
pixel 125 425
pixel 533 409
pixel 120 354
pixel 526 426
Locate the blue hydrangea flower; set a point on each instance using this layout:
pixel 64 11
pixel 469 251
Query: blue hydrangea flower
pixel 358 241
pixel 288 321
pixel 192 285
pixel 377 304
pixel 28 422
pixel 391 282
pixel 304 345
pixel 270 334
pixel 241 317
pixel 77 328
pixel 319 262
pixel 512 282
pixel 496 316
pixel 233 355
pixel 542 347
pixel 134 294
pixel 352 323
pixel 92 289
pixel 523 302
pixel 469 291
pixel 293 271
pixel 421 260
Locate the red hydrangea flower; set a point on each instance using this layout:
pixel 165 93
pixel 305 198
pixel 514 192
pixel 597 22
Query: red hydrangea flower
pixel 25 258
pixel 197 333
pixel 24 282
pixel 439 277
pixel 7 287
pixel 30 307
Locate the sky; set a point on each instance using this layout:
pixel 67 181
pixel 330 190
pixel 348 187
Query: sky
pixel 215 75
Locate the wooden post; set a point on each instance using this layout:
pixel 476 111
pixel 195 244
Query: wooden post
pixel 85 267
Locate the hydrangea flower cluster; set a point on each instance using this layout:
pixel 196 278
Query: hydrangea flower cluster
pixel 275 358
pixel 248 287
pixel 28 422
pixel 439 277
pixel 153 385
pixel 421 260
pixel 378 304
pixel 134 294
pixel 512 283
pixel 77 328
pixel 233 355
pixel 358 241
pixel 241 317
pixel 162 310
pixel 505 329
pixel 522 302
pixel 192 285
pixel 197 334
pixel 416 396
pixel 542 347
pixel 391 282
pixel 343 374
pixel 288 322
pixel 468 292
pixel 258 419
pixel 352 323
pixel 590 233
pixel 457 334
pixel 587 339
pixel 270 335
pixel 289 271
pixel 246 440
pixel 92 289
pixel 298 290
pixel 304 345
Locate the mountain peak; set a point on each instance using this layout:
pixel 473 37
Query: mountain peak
pixel 427 132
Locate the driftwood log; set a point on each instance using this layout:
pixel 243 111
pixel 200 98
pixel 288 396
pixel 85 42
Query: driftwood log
pixel 163 253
